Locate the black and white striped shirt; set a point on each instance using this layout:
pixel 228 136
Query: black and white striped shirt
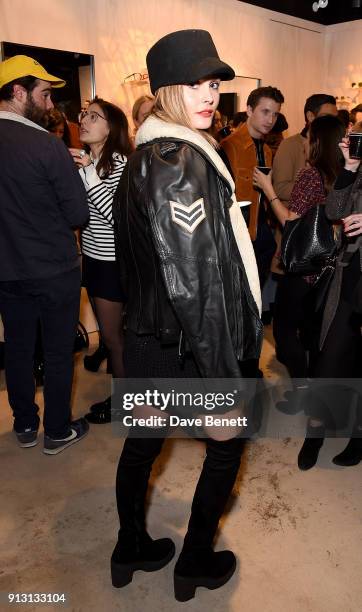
pixel 98 237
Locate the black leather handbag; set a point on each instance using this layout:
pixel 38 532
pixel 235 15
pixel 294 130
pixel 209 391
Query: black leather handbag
pixel 308 243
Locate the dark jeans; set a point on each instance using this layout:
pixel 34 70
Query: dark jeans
pixel 55 303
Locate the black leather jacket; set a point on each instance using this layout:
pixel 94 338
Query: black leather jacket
pixel 184 278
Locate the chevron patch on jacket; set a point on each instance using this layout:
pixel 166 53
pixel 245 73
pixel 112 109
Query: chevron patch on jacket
pixel 189 217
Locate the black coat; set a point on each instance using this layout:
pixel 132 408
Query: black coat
pixel 339 204
pixel 42 199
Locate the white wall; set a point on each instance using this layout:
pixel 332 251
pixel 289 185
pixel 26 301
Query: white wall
pixel 119 33
pixel 299 57
pixel 343 59
pixel 85 84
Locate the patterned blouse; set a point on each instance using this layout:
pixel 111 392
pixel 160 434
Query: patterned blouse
pixel 308 191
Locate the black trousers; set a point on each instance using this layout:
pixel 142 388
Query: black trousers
pixel 340 358
pixel 55 303
pixel 294 325
pixel 264 249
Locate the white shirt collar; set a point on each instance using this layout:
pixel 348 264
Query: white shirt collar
pixel 20 119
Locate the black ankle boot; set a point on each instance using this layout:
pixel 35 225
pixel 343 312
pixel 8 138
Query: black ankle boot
pixel 93 362
pixel 100 412
pixel 204 568
pixel 135 549
pixel 308 454
pixel 351 455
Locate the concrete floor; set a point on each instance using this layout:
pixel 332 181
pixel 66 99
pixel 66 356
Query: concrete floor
pixel 297 534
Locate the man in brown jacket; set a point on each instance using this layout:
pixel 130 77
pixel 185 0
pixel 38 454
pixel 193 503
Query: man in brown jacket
pixel 245 149
pixel 293 151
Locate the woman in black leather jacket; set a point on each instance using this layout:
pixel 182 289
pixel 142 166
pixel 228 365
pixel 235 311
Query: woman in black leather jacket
pixel 193 307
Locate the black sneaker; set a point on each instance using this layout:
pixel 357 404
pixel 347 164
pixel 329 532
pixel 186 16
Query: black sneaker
pixel 79 429
pixel 27 438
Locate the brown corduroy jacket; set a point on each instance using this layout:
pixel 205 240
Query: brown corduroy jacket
pixel 240 149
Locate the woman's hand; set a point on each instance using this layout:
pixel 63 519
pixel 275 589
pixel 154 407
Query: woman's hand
pixel 263 182
pixel 349 163
pixel 352 225
pixel 81 158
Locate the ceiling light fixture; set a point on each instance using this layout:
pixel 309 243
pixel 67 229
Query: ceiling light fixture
pixel 320 4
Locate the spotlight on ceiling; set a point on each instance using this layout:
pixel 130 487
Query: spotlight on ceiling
pixel 323 4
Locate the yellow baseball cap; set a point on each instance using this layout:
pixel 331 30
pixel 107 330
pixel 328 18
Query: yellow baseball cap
pixel 21 66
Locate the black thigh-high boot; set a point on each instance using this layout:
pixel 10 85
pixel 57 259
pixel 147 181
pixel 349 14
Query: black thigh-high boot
pixel 198 564
pixel 135 549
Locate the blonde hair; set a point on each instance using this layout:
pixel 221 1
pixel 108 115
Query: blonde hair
pixel 170 107
pixel 137 105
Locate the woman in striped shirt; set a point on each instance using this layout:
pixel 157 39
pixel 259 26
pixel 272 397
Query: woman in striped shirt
pixel 104 132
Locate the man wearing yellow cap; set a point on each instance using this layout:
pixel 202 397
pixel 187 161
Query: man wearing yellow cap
pixel 42 199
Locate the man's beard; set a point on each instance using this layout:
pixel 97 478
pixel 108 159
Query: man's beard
pixel 34 112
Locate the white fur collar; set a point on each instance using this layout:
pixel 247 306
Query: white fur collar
pixel 154 128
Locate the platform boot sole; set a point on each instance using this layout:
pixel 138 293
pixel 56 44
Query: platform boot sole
pixel 185 587
pixel 122 573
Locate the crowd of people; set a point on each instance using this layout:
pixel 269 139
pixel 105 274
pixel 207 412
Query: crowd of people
pixel 179 226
